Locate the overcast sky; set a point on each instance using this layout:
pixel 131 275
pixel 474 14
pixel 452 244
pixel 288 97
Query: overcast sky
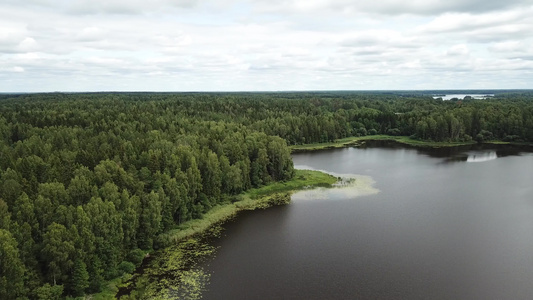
pixel 264 45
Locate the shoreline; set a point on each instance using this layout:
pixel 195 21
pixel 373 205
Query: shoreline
pixel 258 198
pixel 405 140
pixel 183 248
pixel 186 245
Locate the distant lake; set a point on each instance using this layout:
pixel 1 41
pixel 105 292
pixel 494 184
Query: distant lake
pixel 454 223
pixel 462 96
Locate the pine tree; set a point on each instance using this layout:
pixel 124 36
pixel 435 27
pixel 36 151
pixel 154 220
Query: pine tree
pixel 79 280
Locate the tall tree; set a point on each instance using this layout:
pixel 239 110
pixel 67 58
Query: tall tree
pixel 5 215
pixel 79 280
pixel 150 220
pixel 11 268
pixel 58 253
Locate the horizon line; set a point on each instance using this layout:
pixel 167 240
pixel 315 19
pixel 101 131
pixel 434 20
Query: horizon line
pixel 268 91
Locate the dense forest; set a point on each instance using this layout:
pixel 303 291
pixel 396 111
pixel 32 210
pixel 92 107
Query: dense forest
pixel 89 181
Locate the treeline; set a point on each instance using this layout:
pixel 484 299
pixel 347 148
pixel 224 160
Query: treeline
pixel 88 181
pixel 325 117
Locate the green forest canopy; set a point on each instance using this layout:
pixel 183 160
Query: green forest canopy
pixel 87 180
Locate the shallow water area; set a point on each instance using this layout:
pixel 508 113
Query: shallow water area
pixel 348 186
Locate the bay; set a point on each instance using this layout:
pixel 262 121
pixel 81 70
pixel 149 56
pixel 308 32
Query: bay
pixel 452 223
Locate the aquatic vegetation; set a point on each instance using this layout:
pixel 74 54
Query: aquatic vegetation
pixel 174 272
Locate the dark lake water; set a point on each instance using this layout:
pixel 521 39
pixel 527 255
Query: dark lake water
pixel 445 224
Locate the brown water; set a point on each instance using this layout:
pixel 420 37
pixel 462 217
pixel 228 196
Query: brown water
pixel 446 224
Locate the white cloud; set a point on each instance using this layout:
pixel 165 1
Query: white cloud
pixel 103 6
pixel 91 33
pixel 509 47
pixel 264 45
pixel 458 50
pixel 18 69
pixel 28 44
pixel 389 7
pixel 489 27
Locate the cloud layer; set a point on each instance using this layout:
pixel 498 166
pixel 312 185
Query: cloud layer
pixel 190 45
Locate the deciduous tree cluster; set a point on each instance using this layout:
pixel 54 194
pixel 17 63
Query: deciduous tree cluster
pixel 88 180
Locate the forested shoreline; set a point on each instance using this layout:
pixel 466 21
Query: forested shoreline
pixel 88 181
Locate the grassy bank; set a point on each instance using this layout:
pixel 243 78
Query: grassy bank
pixel 186 245
pixel 262 197
pixel 349 141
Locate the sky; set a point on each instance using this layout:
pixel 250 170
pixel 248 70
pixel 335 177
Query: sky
pixel 264 45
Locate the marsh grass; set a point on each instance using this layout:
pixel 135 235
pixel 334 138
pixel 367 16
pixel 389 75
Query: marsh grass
pixel 302 179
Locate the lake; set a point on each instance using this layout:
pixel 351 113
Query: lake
pixel 462 96
pixel 454 223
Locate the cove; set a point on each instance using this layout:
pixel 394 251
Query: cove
pixel 453 223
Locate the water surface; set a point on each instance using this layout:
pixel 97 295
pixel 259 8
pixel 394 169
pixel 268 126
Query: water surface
pixel 445 224
pixel 462 96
